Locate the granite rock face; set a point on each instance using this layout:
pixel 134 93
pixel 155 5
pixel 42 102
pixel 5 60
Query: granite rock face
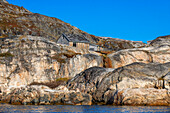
pixel 122 85
pixel 42 95
pixel 138 73
pixel 158 51
pixel 162 40
pixel 143 96
pixel 3 1
pixel 116 44
pixel 27 59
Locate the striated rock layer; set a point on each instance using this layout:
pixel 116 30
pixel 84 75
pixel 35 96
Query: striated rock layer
pixel 30 58
pixel 134 84
pixel 27 59
pixel 158 51
pixel 42 95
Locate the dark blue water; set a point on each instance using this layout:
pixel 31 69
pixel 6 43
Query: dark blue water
pixel 81 109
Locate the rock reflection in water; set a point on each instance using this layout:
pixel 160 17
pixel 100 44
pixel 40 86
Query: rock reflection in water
pixel 85 109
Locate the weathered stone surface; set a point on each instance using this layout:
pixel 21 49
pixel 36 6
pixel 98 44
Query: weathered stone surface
pixel 29 54
pixel 3 1
pixel 105 85
pixel 144 96
pixel 35 59
pixel 160 54
pixel 19 21
pixel 138 96
pixel 162 40
pixel 42 95
pixel 118 44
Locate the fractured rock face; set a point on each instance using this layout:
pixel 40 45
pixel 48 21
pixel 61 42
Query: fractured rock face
pixel 157 54
pixel 3 1
pixel 27 59
pixel 42 95
pixel 106 85
pixel 162 40
pixel 138 96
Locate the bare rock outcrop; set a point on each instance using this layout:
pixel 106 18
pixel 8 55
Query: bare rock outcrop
pixel 43 95
pixel 142 96
pixel 27 59
pixel 119 44
pixel 162 40
pixel 138 73
pixel 17 20
pixel 3 1
pixel 125 85
pixel 158 51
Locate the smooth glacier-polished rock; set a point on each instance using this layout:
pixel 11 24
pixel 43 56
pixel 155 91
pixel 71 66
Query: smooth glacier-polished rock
pixel 116 86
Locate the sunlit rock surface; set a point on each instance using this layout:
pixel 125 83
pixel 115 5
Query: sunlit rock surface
pixel 32 64
pixel 27 59
pixel 43 95
pixel 158 51
pixel 126 85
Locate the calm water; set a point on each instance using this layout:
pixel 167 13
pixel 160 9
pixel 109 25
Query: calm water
pixel 81 109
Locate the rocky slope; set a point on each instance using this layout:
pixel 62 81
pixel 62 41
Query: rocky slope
pixel 157 51
pixel 15 20
pixel 27 59
pixel 31 60
pixel 115 44
pixel 134 84
pixel 32 65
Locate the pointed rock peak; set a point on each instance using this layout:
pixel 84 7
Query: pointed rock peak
pixel 3 1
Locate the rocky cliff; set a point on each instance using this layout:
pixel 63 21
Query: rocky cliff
pixel 27 59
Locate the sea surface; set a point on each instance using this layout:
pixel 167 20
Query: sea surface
pixel 5 108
